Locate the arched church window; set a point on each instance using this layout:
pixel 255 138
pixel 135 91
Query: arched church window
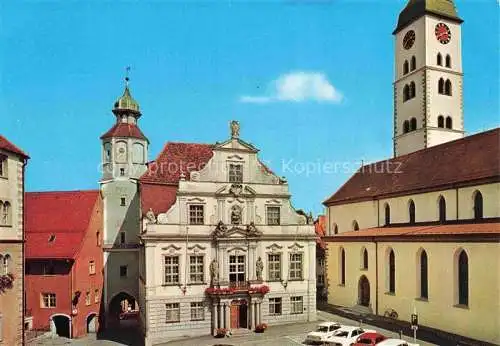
pixel 424 286
pixel 413 63
pixel 342 266
pixel 406 126
pixel 5 211
pixel 412 90
pixel 413 124
pixel 478 205
pixel 463 278
pixel 449 123
pixel 406 93
pixel 440 121
pixel 392 271
pixel 405 67
pixel 448 60
pixel 387 214
pixel 411 212
pixel 441 86
pixel 355 225
pixel 447 87
pixel 236 215
pixel 442 209
pixel 440 59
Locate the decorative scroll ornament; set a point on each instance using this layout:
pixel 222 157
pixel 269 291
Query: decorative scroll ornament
pixel 220 230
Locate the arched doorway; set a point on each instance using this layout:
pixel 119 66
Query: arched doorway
pixel 364 291
pixel 60 325
pixel 123 311
pixel 92 323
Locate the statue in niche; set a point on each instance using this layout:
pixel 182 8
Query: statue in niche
pixel 214 271
pixel 150 216
pixel 235 129
pixel 259 267
pixel 236 215
pixel 220 229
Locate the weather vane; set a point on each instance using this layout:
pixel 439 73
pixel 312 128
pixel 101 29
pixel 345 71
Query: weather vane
pixel 127 71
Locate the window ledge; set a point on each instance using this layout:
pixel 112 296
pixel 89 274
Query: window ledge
pixel 171 284
pixel 295 280
pixel 6 226
pixel 341 285
pixel 390 293
pixel 171 322
pixel 193 284
pixel 461 306
pixel 363 269
pixel 277 280
pixel 4 177
pixel 422 299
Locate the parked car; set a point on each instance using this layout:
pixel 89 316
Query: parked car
pixel 369 339
pixel 324 330
pixel 396 342
pixel 346 336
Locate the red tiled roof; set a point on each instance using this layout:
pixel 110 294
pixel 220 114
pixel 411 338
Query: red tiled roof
pixel 487 228
pixel 64 214
pixel 158 197
pixel 471 159
pixel 159 183
pixel 8 146
pixel 124 130
pixel 177 158
pixel 319 228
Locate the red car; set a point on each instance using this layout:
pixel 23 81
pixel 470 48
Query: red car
pixel 369 339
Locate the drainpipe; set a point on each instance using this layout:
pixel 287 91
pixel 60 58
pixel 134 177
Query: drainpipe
pixel 378 213
pixel 23 297
pixel 376 276
pixel 71 303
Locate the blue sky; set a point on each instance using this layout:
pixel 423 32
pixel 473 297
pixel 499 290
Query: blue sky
pixel 193 63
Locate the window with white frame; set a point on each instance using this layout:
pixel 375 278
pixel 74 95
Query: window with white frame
pixel 295 266
pixel 274 306
pixel 171 270
pixel 196 214
pixel 274 267
pixel 5 264
pixel 197 311
pixel 273 215
pixel 5 211
pixel 173 312
pixel 235 173
pixel 3 166
pixel 97 297
pixel 87 298
pixel 236 269
pixel 196 269
pixel 48 300
pixel 297 305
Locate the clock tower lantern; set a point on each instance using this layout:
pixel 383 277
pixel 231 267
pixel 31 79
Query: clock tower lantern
pixel 124 151
pixel 428 85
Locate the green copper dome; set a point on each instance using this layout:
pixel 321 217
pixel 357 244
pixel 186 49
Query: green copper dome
pixel 126 102
pixel 417 8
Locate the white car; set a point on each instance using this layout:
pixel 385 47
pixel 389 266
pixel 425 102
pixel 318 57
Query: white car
pixel 323 331
pixel 346 336
pixel 395 342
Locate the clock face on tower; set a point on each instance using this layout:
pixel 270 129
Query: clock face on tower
pixel 443 33
pixel 409 39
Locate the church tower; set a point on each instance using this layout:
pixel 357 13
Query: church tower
pixel 428 85
pixel 124 156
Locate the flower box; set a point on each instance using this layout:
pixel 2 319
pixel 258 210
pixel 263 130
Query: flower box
pixel 260 328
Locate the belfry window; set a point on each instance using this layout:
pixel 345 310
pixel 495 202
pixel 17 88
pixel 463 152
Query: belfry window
pixel 440 59
pixel 412 90
pixel 448 61
pixel 406 126
pixel 447 88
pixel 355 226
pixel 413 124
pixel 387 214
pixel 405 67
pixel 413 63
pixel 441 121
pixel 449 124
pixel 442 209
pixel 441 86
pixel 406 93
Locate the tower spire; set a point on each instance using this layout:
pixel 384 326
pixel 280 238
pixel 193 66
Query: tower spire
pixel 127 79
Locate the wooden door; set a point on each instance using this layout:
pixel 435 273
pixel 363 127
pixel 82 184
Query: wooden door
pixel 235 315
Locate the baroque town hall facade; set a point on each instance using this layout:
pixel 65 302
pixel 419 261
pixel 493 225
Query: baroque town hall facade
pixel 203 238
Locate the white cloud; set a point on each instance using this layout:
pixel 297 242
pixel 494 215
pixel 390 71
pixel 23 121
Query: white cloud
pixel 298 87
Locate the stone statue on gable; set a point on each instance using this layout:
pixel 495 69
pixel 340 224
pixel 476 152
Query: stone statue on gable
pixel 150 216
pixel 235 129
pixel 214 271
